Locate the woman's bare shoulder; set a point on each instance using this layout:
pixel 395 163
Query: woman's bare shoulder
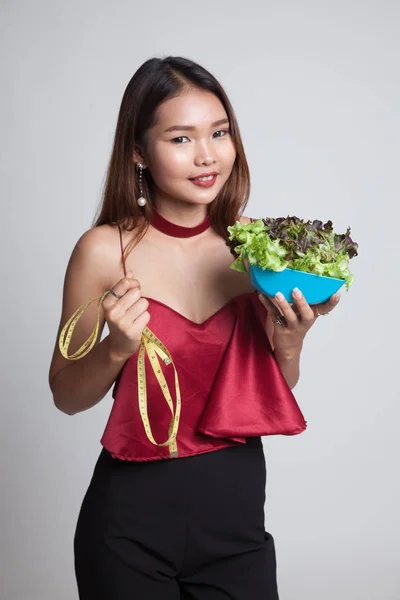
pixel 96 238
pixel 100 248
pixel 245 220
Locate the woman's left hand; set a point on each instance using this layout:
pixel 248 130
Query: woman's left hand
pixel 287 337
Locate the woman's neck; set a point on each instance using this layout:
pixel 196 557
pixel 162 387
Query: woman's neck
pixel 176 226
pixel 183 214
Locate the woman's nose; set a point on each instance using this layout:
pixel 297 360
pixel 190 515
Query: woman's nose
pixel 205 154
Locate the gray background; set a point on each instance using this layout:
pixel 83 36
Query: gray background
pixel 315 86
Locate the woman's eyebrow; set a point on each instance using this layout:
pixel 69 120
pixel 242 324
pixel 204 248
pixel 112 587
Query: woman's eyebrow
pixel 189 128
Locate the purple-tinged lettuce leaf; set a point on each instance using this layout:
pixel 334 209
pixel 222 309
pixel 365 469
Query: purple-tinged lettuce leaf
pixel 280 243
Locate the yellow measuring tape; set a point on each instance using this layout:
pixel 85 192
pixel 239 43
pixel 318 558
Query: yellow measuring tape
pixel 151 345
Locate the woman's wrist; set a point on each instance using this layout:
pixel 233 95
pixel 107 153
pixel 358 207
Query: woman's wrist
pixel 289 364
pixel 286 356
pixel 114 357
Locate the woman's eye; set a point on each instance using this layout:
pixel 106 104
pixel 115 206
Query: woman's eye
pixel 222 131
pixel 181 137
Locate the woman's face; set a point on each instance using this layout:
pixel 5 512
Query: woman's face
pixel 191 137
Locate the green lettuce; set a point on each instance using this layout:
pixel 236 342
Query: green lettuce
pixel 280 243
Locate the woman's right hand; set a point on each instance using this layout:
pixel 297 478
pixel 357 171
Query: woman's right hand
pixel 126 317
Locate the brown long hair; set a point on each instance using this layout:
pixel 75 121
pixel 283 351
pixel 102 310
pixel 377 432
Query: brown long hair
pixel 154 82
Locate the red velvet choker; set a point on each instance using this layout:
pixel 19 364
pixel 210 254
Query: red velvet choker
pixel 174 230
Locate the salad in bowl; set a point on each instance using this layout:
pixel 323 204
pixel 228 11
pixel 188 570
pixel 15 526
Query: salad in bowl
pixel 283 253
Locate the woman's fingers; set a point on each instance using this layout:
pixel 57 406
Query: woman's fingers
pixel 310 313
pixel 130 305
pixel 130 297
pixel 305 311
pixel 136 310
pixel 326 307
pixel 271 307
pixel 121 288
pixel 287 311
pixel 293 313
pixel 277 309
pixel 126 317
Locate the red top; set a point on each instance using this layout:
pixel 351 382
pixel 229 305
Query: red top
pixel 230 382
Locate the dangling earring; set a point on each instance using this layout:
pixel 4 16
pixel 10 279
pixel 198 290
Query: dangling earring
pixel 141 200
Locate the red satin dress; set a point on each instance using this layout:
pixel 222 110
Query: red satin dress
pixel 230 382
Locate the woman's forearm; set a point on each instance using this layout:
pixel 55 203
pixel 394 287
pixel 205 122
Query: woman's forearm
pixel 290 367
pixel 86 381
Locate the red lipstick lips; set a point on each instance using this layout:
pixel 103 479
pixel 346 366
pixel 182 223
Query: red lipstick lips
pixel 204 175
pixel 205 183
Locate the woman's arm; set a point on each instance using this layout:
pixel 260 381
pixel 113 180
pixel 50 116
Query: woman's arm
pixel 290 367
pixel 77 385
pixel 288 363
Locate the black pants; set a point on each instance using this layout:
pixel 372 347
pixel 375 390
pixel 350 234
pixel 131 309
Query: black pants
pixel 185 528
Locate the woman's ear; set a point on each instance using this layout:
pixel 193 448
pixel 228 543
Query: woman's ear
pixel 138 157
pixel 139 161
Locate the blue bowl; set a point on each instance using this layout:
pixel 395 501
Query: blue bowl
pixel 315 288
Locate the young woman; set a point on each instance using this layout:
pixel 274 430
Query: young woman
pixel 202 366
